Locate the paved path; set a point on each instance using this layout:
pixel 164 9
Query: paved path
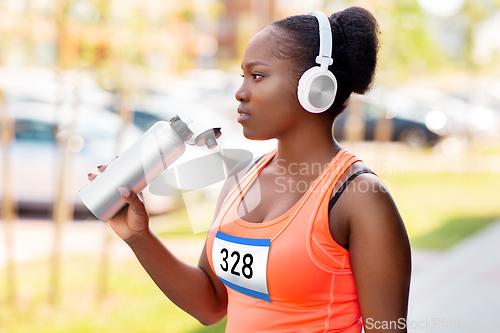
pixel 459 289
pixel 34 239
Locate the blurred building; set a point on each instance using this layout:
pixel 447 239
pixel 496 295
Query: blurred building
pixel 239 21
pixel 161 35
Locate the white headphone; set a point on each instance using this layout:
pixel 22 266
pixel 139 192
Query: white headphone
pixel 318 86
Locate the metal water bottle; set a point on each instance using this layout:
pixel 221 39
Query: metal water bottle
pixel 141 163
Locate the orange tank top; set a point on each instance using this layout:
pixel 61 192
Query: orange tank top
pixel 287 274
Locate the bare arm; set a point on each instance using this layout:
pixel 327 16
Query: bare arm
pixel 379 254
pixel 196 290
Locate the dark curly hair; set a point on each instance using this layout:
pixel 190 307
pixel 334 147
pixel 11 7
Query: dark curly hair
pixel 355 46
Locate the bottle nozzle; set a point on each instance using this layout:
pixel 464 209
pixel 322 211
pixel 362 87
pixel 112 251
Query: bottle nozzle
pixel 208 138
pixel 181 128
pixel 211 143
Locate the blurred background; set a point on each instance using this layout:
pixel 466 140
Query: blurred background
pixel 80 80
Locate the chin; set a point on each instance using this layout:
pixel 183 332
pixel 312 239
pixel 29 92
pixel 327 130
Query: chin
pixel 250 135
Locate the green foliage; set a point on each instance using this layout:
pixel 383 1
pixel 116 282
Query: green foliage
pixel 452 232
pixel 133 305
pixel 187 13
pixel 415 43
pixel 409 46
pixel 442 208
pixel 475 12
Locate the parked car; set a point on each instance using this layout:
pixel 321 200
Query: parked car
pixel 442 113
pixel 35 157
pixel 411 132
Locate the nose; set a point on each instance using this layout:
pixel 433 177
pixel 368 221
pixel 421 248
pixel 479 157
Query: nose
pixel 242 94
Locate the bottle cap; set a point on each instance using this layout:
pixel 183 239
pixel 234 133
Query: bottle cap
pixel 181 128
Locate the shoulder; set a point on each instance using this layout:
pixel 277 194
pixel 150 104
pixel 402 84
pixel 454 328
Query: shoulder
pixel 245 166
pixel 233 178
pixel 356 195
pixel 235 175
pixel 366 202
pixel 356 183
pixel 365 209
pixel 366 187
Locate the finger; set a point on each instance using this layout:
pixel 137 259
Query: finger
pixel 91 176
pixel 133 200
pixel 102 167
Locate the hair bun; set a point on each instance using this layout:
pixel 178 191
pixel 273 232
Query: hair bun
pixel 360 32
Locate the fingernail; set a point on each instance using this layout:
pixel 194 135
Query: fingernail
pixel 123 191
pixel 99 166
pixel 88 175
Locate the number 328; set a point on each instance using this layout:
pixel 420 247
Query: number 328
pixel 246 269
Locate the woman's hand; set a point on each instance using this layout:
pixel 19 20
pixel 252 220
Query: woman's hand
pixel 196 290
pixel 133 219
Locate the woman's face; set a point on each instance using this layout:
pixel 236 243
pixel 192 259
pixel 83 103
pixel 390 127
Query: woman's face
pixel 268 100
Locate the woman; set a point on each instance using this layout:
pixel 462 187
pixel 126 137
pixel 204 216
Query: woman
pixel 309 240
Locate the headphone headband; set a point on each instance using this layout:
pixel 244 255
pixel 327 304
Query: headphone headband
pixel 325 39
pixel 317 86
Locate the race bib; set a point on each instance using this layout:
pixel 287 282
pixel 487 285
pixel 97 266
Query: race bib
pixel 241 264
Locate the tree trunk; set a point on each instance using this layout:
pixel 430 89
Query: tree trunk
pixel 62 209
pixel 103 275
pixel 354 127
pixel 8 204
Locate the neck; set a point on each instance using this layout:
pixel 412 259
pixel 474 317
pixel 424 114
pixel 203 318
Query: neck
pixel 312 142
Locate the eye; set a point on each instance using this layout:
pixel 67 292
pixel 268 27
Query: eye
pixel 255 76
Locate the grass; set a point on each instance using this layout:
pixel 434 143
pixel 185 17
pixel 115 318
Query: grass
pixel 133 303
pixel 175 225
pixel 452 232
pixel 442 208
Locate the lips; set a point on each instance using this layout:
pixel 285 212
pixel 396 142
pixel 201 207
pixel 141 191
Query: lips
pixel 243 115
pixel 242 112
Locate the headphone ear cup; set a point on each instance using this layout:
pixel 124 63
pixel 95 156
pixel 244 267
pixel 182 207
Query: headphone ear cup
pixel 317 89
